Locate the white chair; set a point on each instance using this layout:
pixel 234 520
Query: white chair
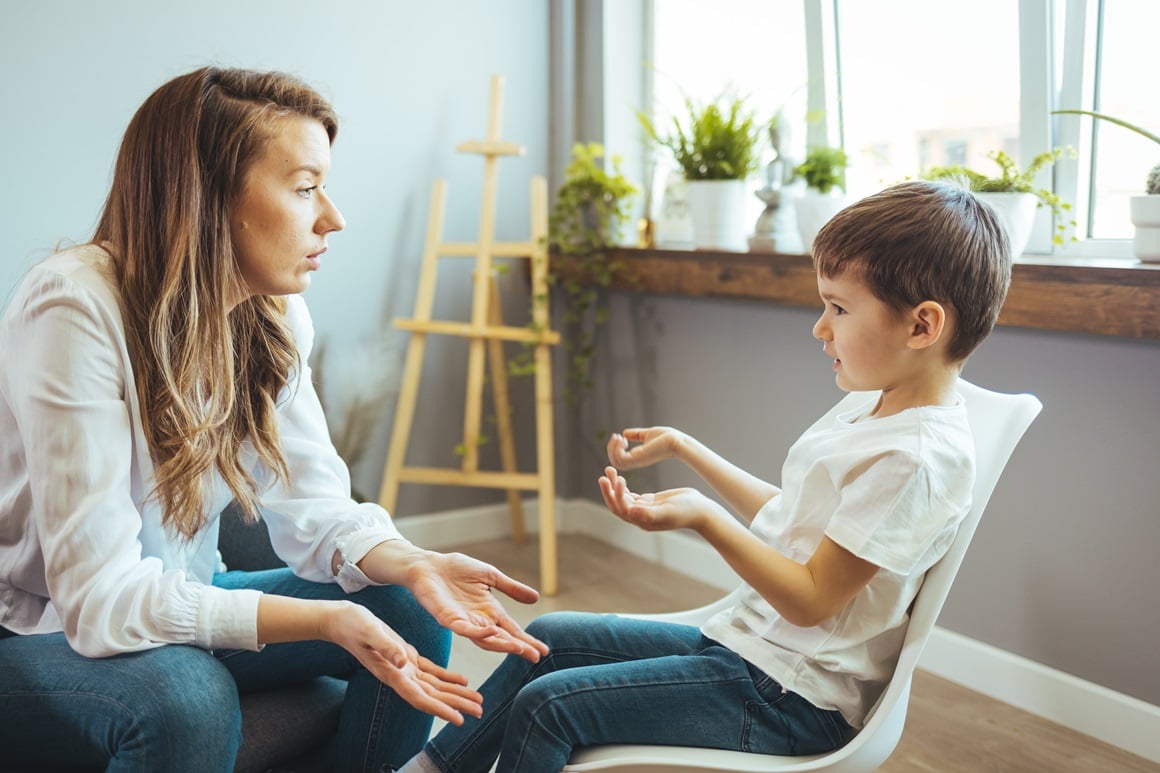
pixel 998 421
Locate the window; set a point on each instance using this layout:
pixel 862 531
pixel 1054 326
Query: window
pixel 1116 39
pixel 908 84
pixel 751 48
pixel 916 93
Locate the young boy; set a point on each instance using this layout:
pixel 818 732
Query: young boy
pixel 912 280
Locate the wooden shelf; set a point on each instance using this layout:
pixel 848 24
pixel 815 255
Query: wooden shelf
pixel 1115 298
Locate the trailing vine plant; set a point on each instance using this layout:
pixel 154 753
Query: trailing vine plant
pixel 592 205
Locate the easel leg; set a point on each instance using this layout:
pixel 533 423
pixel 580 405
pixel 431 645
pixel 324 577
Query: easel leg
pixel 545 453
pixel 503 416
pixel 404 415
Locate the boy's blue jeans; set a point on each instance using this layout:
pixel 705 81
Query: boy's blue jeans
pixel 175 708
pixel 611 679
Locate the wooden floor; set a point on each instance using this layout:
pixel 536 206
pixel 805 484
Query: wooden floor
pixel 949 729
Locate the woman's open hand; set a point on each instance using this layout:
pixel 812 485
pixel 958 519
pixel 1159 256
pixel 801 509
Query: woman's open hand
pixel 457 590
pixel 422 683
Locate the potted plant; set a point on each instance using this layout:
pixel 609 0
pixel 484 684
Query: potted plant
pixel 1145 208
pixel 716 150
pixel 824 174
pixel 1013 195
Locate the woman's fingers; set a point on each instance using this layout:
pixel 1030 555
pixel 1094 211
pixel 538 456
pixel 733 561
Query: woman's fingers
pixel 444 674
pixel 516 590
pixel 430 688
pixel 535 648
pixel 514 642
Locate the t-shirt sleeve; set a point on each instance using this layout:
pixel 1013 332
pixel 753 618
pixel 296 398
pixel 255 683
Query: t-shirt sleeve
pixel 889 514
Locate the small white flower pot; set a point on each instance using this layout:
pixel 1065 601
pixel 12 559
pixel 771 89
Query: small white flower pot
pixel 1017 213
pixel 813 210
pixel 1145 210
pixel 717 209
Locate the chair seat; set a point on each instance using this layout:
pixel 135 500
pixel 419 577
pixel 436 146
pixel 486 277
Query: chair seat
pixel 283 726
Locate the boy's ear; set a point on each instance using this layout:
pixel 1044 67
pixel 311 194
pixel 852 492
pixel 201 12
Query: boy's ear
pixel 928 320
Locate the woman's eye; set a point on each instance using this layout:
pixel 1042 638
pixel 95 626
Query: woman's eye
pixel 307 192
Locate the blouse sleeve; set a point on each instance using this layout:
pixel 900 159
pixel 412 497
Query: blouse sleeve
pixel 67 377
pixel 313 516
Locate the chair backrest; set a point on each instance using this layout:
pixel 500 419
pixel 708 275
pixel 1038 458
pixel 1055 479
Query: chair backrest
pixel 998 422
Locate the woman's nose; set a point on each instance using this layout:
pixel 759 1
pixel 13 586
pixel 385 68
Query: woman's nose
pixel 331 219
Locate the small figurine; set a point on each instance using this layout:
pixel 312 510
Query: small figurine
pixel 777 174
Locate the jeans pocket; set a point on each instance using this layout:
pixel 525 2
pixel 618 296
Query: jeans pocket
pixel 789 724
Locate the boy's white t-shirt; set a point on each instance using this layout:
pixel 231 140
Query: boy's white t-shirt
pixel 891 491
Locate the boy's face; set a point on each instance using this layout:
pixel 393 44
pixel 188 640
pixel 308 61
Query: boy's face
pixel 866 338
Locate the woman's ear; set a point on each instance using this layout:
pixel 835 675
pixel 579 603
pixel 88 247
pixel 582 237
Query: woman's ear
pixel 928 320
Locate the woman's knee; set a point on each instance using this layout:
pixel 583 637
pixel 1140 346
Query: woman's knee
pixel 187 693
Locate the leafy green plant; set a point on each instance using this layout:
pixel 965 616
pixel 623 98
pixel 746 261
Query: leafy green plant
pixel 716 141
pixel 1152 185
pixel 823 169
pixel 1012 179
pixel 592 205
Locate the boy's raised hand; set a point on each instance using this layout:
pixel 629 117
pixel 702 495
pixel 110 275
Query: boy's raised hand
pixel 679 508
pixel 655 444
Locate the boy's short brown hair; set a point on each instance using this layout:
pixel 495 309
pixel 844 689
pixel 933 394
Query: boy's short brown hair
pixel 924 240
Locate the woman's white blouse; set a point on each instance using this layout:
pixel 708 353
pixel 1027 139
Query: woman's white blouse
pixel 82 548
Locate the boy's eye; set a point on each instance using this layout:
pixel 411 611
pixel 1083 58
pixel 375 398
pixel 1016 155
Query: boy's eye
pixel 307 192
pixel 838 309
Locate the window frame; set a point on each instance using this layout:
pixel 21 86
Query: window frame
pixel 1077 25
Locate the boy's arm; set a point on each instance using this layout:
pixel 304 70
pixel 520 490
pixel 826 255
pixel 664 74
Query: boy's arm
pixel 804 594
pixel 743 492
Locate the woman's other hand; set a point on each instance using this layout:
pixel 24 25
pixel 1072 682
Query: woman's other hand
pixel 422 683
pixel 457 590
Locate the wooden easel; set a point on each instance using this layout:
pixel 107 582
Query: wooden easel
pixel 487 333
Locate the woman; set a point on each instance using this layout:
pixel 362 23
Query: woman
pixel 147 379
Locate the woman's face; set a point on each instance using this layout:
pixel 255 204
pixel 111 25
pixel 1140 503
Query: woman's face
pixel 281 217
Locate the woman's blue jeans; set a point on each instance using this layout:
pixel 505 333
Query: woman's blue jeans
pixel 613 679
pixel 175 708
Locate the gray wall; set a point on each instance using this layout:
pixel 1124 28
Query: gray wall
pixel 409 81
pixel 1063 568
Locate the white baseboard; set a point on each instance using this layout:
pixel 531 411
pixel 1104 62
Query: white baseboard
pixel 1085 707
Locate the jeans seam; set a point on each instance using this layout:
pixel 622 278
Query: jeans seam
pixel 539 669
pixel 376 727
pixel 580 691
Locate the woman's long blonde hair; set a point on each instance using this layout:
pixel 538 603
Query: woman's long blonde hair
pixel 207 376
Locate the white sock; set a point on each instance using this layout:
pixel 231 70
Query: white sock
pixel 420 763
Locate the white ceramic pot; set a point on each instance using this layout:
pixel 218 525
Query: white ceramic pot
pixel 813 210
pixel 1017 213
pixel 717 209
pixel 1145 211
